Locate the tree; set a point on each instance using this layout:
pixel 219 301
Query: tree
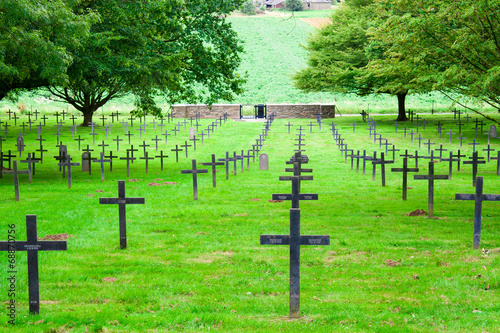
pixel 341 53
pixel 294 5
pixel 181 50
pixel 36 41
pixel 452 46
pixel 248 8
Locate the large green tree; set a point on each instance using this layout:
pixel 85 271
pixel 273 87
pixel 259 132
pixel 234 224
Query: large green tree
pixel 183 50
pixel 37 38
pixel 452 46
pixel 340 55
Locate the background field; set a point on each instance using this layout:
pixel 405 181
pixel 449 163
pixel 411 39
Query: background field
pixel 198 266
pixel 272 53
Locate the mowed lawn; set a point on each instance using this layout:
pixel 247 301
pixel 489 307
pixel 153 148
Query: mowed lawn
pixel 198 265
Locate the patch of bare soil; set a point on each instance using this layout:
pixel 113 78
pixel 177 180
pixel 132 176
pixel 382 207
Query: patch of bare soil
pixel 56 237
pixel 255 199
pixel 317 22
pixel 417 212
pixel 109 279
pixel 170 183
pixel 391 263
pixel 275 200
pixel 154 184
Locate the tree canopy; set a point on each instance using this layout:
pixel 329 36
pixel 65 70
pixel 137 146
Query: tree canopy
pixel 294 5
pixel 37 38
pixel 181 50
pixel 452 46
pixel 341 53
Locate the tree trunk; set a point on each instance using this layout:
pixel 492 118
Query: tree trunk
pixel 401 107
pixel 88 112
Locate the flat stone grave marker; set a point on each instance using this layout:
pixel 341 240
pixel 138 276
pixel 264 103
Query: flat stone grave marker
pixel 32 245
pixel 263 162
pixel 86 162
pixel 493 131
pixel 20 144
pixel 122 201
pixel 478 198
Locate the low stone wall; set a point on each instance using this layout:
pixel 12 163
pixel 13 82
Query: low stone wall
pixel 190 110
pixel 301 110
pixel 233 110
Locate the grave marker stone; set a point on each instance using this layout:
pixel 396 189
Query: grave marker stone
pixel 263 162
pixel 492 132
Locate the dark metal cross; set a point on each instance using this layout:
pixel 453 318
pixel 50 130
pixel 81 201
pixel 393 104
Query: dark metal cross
pixel 118 142
pixel 122 201
pixel 161 156
pixel 475 162
pixel 213 164
pixel 68 164
pixel 177 150
pixel 382 161
pixel 478 198
pixel 295 240
pixel 102 161
pixel 145 157
pixel 16 173
pixel 32 246
pixel 498 162
pixel 195 173
pixel 128 159
pixel 450 166
pixel 30 161
pixel 430 177
pixel 405 171
pixel 227 160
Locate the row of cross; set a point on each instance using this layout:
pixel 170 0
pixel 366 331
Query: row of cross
pixel 478 197
pixel 295 239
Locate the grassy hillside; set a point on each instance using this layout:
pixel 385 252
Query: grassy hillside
pixel 272 53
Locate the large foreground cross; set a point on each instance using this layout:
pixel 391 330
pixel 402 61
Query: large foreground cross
pixel 478 198
pixel 32 246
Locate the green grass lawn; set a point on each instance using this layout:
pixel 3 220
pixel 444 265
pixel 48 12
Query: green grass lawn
pixel 198 266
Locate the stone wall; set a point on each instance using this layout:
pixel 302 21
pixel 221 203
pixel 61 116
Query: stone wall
pixel 190 110
pixel 233 110
pixel 301 110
